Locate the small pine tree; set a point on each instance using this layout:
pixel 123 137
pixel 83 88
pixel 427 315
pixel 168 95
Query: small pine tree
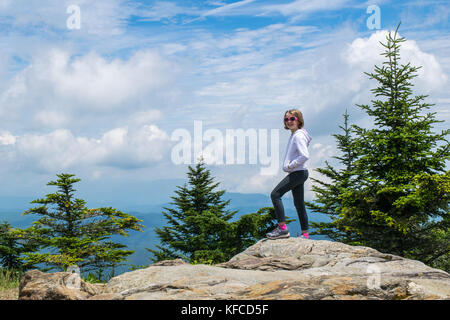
pixel 69 233
pixel 328 194
pixel 199 227
pixel 12 245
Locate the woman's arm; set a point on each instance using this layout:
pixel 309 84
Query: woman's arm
pixel 301 144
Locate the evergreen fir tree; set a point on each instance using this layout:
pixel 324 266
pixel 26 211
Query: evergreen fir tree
pixel 12 245
pixel 69 233
pixel 399 194
pixel 199 227
pixel 328 194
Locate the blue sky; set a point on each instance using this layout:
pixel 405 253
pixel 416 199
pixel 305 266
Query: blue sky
pixel 102 101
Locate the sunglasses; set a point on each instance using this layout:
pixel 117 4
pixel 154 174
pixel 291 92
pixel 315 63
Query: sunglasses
pixel 291 119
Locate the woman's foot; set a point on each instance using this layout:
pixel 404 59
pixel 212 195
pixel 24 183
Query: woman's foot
pixel 278 233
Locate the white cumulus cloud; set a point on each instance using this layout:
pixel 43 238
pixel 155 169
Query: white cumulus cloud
pixel 363 53
pixel 57 89
pixel 124 148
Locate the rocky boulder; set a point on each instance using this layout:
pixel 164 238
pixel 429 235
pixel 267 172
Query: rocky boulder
pixel 37 285
pixel 292 268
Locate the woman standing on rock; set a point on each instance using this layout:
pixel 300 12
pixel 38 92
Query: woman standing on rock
pixel 294 163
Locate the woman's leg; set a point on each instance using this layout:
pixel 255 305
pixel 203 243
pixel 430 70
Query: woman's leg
pixel 281 188
pixel 290 182
pixel 298 194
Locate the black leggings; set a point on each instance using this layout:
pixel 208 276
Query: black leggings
pixel 293 181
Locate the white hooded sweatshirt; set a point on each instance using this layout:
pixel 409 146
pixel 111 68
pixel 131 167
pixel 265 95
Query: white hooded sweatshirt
pixel 297 151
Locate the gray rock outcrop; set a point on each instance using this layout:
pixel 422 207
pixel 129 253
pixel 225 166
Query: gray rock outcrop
pixel 292 268
pixel 37 285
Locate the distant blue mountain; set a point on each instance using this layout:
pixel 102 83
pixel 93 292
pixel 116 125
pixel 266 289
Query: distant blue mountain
pixel 15 203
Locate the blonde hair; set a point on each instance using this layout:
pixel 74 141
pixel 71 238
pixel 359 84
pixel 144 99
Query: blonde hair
pixel 299 116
